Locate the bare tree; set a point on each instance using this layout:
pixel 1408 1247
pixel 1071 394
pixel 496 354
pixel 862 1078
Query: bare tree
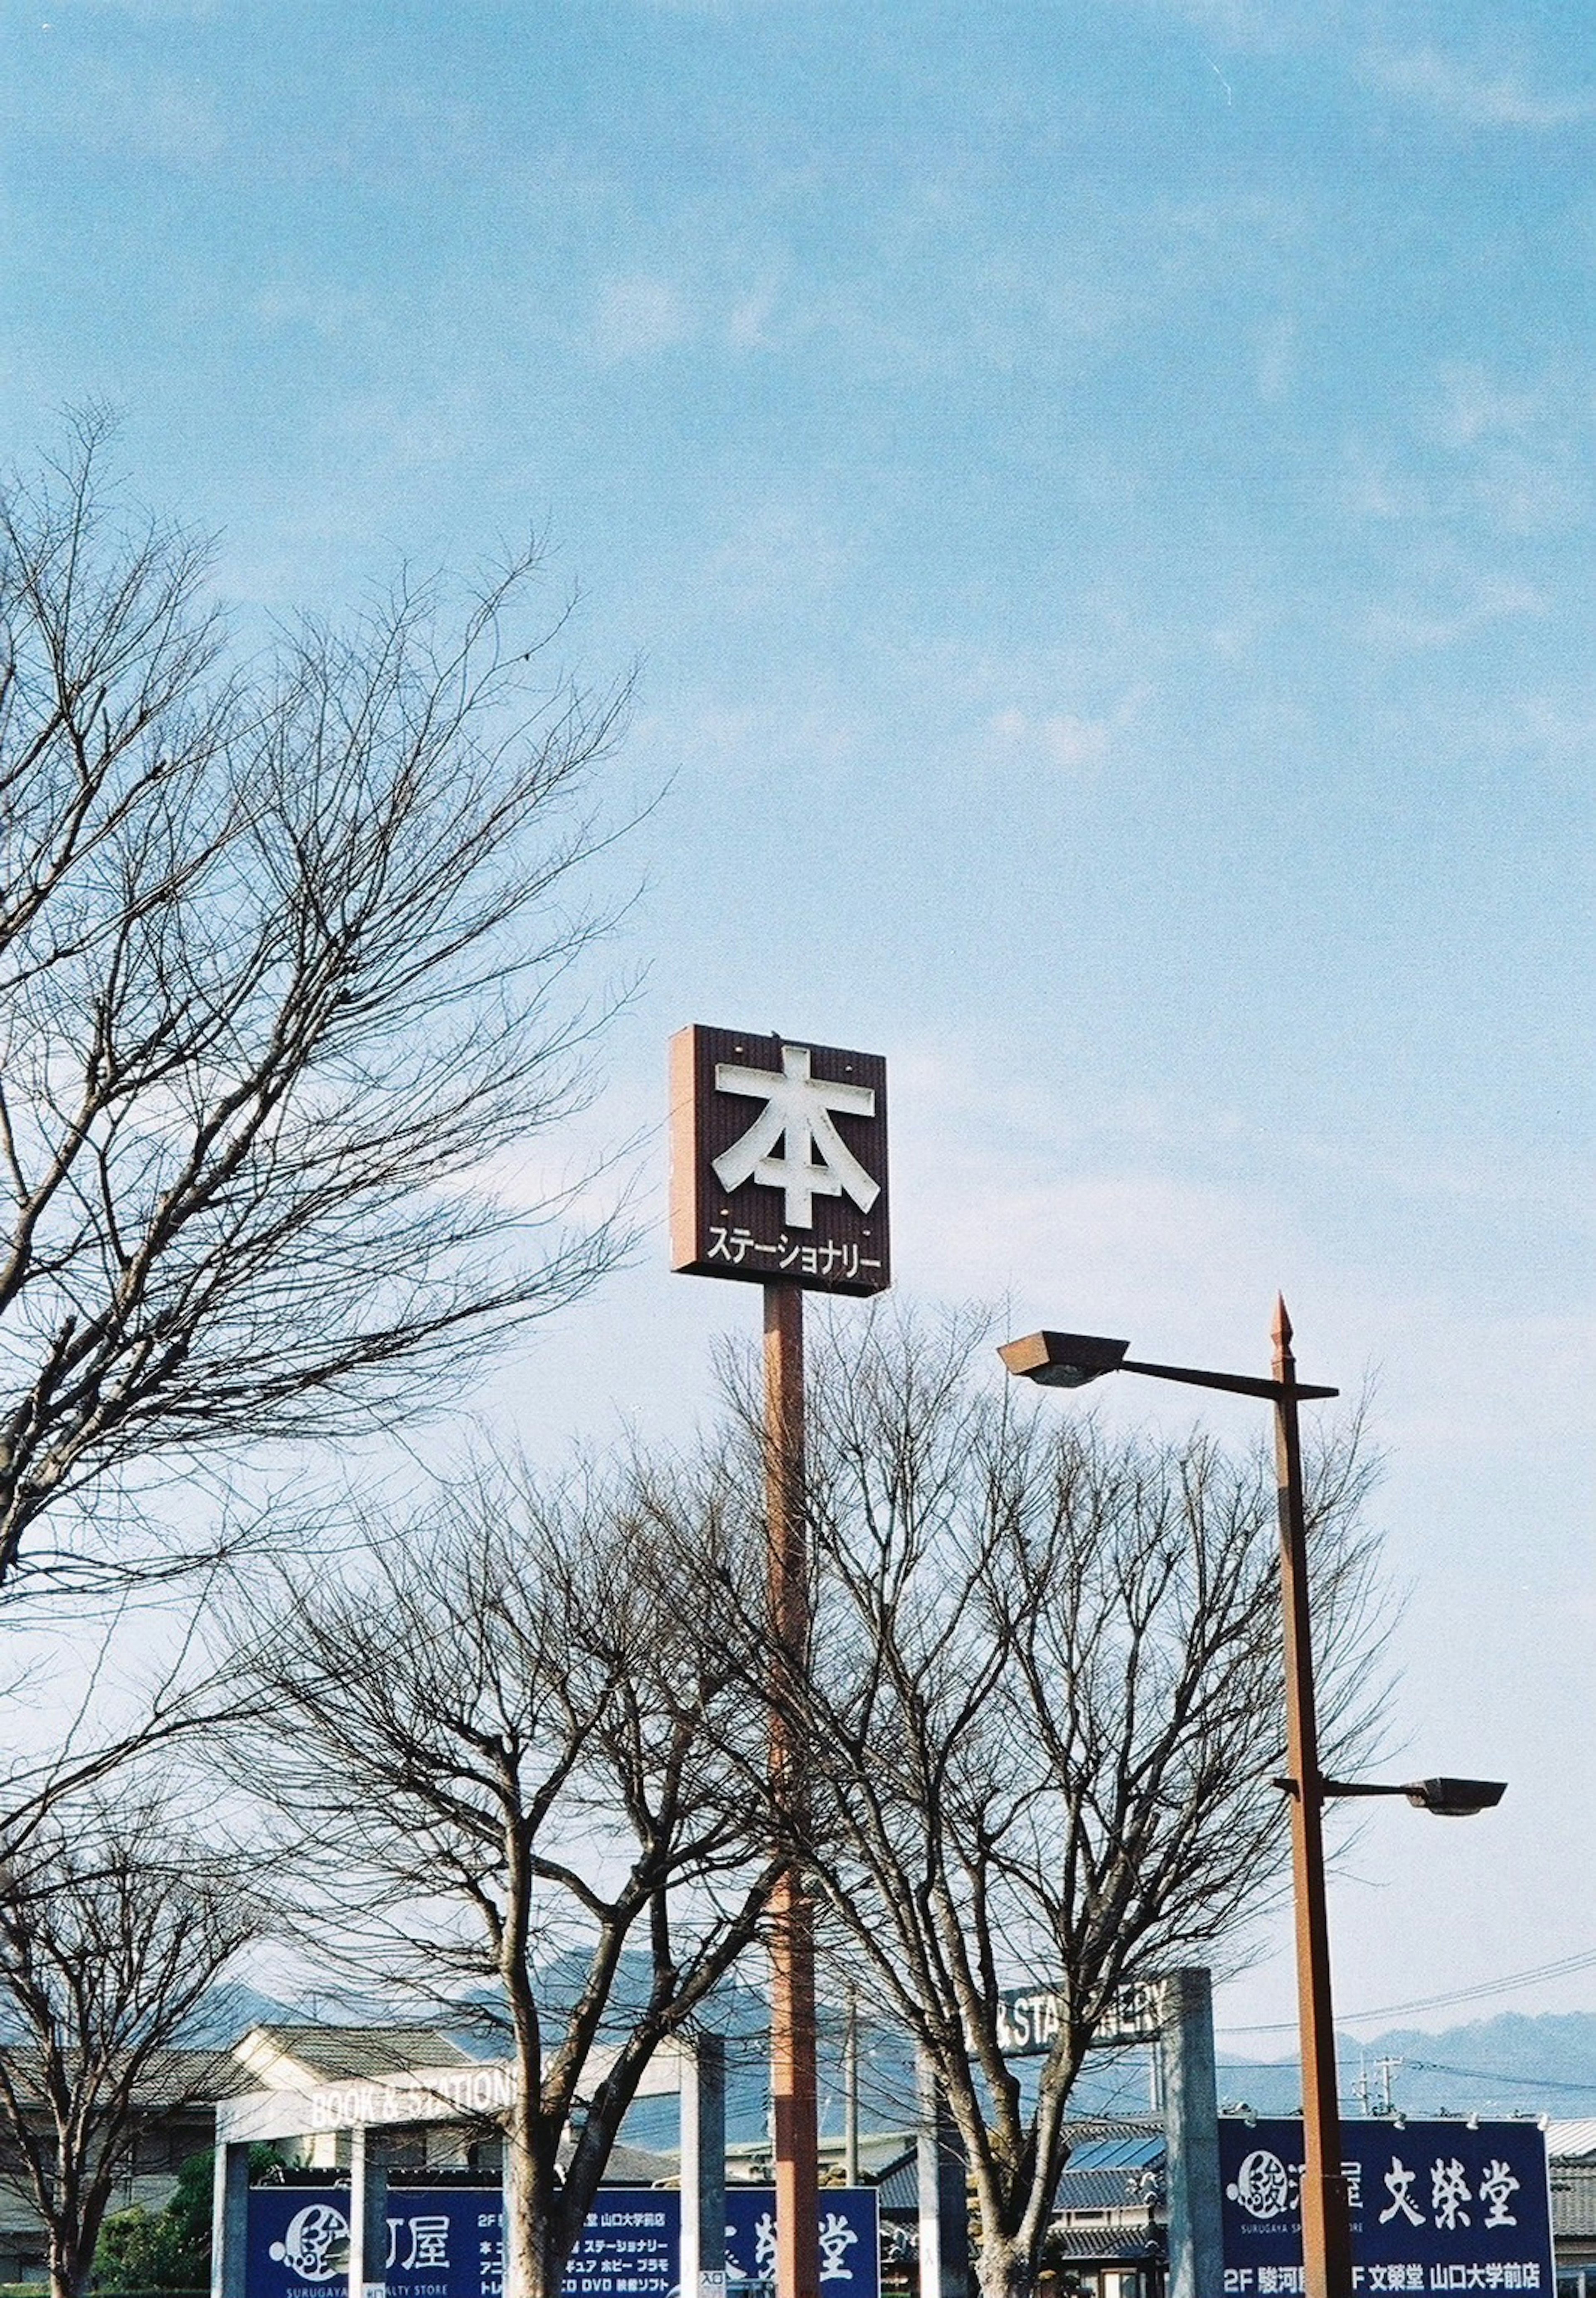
pixel 113 1928
pixel 1041 1713
pixel 286 963
pixel 506 1741
pixel 85 1715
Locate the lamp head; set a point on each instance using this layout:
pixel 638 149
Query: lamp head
pixel 1063 1359
pixel 1455 1798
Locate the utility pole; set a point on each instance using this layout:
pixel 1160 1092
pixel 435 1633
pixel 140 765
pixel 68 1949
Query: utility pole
pixel 1327 2224
pixel 792 2041
pixel 850 2093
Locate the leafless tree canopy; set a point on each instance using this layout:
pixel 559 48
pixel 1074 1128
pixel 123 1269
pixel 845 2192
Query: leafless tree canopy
pixel 1042 1711
pixel 113 1928
pixel 508 1757
pixel 284 961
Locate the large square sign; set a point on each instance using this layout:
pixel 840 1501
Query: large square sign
pixel 778 1162
pixel 1435 2206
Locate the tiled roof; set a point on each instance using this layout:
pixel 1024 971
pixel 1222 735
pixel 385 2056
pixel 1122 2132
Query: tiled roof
pixel 1107 2242
pixel 1574 2198
pixel 1107 2190
pixel 340 2053
pixel 173 2079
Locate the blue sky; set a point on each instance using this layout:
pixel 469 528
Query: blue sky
pixel 1100 499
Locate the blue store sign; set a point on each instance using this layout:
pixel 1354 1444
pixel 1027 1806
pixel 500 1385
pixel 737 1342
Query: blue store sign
pixel 448 2242
pixel 1435 2206
pixel 850 2257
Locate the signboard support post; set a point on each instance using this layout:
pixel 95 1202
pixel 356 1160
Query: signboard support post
pixel 1192 2134
pixel 368 2215
pixel 944 2211
pixel 779 1178
pixel 229 2226
pixel 704 2168
pixel 793 2081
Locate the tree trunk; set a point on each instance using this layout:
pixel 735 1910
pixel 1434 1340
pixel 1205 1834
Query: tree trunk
pixel 533 2265
pixel 69 2263
pixel 1004 2268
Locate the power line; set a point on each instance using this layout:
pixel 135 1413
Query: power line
pixel 1478 2074
pixel 1565 1968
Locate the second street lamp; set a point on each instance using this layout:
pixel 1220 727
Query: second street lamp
pixel 1072 1360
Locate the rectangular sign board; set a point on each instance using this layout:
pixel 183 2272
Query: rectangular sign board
pixel 849 2242
pixel 448 2242
pixel 1027 2019
pixel 1435 2205
pixel 778 1162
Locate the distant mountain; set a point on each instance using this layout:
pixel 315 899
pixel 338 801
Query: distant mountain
pixel 229 2011
pixel 1506 2065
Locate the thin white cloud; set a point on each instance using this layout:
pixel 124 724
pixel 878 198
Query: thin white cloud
pixel 636 316
pixel 152 115
pixel 779 554
pixel 1413 628
pixel 1064 739
pixel 1473 95
pixel 748 327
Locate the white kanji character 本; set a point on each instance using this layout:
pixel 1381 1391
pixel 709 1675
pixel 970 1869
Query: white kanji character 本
pixel 797 1114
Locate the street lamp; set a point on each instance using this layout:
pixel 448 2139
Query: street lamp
pixel 1447 1798
pixel 1072 1359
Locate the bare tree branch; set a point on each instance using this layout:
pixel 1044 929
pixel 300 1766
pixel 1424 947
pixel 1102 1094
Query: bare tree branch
pixel 1041 1710
pixel 287 960
pixel 113 1928
pixel 499 1750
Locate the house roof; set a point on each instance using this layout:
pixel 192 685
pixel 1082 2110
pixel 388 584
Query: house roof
pixel 1105 2242
pixel 1568 2142
pixel 171 2079
pixel 1116 2189
pixel 299 2057
pixel 1574 2199
pixel 1126 2147
pixel 192 2077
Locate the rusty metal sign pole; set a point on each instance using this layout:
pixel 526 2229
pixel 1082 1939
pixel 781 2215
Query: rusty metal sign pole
pixel 1327 2227
pixel 792 2042
pixel 779 1178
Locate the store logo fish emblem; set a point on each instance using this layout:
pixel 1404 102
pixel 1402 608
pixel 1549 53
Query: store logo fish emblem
pixel 311 2242
pixel 1262 2185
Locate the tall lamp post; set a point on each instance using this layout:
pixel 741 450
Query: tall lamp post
pixel 1072 1360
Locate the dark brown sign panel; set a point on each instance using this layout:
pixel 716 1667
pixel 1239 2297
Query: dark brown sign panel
pixel 778 1162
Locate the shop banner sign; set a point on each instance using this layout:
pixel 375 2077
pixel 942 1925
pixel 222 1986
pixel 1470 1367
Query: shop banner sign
pixel 849 2242
pixel 1435 2206
pixel 448 2242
